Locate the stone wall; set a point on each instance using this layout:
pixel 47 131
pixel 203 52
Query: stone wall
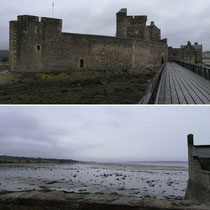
pixel 198 187
pixel 135 27
pixel 182 54
pixel 40 46
pixel 153 32
pixel 187 53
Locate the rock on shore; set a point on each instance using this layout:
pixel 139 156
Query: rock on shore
pixel 56 200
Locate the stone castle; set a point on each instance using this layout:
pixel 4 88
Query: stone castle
pixel 199 171
pixel 187 53
pixel 41 46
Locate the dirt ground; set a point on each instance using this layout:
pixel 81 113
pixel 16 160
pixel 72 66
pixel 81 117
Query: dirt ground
pixel 120 88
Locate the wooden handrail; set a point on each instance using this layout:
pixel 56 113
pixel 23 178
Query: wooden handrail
pixel 150 96
pixel 200 70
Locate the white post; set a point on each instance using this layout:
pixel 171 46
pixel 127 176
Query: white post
pixel 53 9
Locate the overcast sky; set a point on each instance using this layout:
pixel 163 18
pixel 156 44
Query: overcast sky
pixel 103 133
pixel 180 20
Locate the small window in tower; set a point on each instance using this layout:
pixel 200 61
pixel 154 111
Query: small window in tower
pixel 81 63
pixel 38 47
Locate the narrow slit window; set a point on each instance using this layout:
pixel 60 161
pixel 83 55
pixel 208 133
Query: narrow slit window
pixel 81 63
pixel 38 47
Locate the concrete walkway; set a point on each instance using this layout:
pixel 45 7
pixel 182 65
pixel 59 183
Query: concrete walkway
pixel 181 86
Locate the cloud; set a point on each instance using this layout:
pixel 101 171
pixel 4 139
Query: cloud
pixel 22 134
pixel 179 20
pixel 102 133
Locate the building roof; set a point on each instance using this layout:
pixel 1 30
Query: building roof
pixel 201 151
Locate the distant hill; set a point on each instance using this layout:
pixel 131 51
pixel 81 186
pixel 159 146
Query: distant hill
pixel 4 53
pixel 14 159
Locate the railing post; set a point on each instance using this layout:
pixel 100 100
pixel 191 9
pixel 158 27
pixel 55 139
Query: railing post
pixel 209 73
pixel 199 70
pixel 205 73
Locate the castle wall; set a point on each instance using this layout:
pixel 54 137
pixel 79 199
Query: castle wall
pixel 175 54
pixel 135 27
pixel 186 53
pixel 28 37
pixel 42 47
pixel 182 54
pixel 198 57
pixel 153 33
pixel 121 26
pixel 198 187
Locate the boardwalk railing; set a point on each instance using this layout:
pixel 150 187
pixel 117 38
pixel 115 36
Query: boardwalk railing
pixel 150 96
pixel 201 71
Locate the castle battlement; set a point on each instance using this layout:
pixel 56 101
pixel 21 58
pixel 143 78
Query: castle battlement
pixel 51 20
pixel 39 45
pixel 135 27
pixel 28 18
pixel 140 17
pixel 28 24
pixel 36 19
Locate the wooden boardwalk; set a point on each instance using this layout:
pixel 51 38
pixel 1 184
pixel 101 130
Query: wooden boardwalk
pixel 180 86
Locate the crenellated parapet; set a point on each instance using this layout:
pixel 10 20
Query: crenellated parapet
pixel 135 27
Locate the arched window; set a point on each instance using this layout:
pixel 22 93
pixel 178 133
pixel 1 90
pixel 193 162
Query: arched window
pixel 81 63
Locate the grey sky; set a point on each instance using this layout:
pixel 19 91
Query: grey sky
pixel 102 133
pixel 180 20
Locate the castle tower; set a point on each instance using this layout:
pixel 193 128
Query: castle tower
pixel 27 35
pixel 130 26
pixel 122 23
pixel 20 37
pixel 153 33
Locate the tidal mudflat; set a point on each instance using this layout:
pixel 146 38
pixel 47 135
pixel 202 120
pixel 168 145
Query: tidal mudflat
pixel 137 180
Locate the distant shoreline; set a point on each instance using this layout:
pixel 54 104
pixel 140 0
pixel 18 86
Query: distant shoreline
pixel 4 159
pixel 17 159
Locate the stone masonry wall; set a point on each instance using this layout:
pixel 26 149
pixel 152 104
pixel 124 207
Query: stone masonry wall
pixel 187 54
pixel 153 33
pixel 135 27
pixel 198 187
pixel 40 46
